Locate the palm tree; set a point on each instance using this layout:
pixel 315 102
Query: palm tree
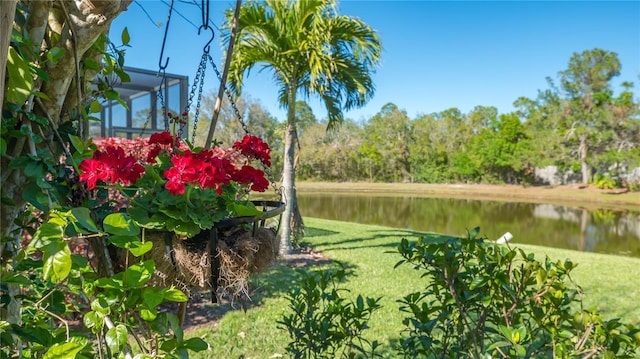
pixel 311 50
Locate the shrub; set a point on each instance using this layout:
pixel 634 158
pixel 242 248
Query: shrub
pixel 325 324
pixel 486 300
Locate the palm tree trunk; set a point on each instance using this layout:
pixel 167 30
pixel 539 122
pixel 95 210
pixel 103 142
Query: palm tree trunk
pixel 288 184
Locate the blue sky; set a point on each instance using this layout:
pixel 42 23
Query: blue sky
pixel 437 54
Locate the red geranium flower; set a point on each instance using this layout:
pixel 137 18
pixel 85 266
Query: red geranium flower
pixel 161 138
pixel 254 147
pixel 185 172
pixel 110 166
pixel 253 176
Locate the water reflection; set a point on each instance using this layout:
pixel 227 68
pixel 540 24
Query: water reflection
pixel 603 231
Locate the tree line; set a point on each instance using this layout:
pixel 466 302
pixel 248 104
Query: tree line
pixel 577 124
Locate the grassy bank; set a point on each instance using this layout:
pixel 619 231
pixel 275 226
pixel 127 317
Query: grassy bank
pixel 588 197
pixel 610 284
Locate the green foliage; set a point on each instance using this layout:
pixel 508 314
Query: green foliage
pixel 323 323
pixel 55 302
pixel 58 285
pixel 487 300
pixel 605 181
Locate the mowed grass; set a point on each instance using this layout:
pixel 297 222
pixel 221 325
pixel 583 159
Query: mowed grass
pixel 610 283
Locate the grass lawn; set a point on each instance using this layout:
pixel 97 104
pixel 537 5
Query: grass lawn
pixel 610 283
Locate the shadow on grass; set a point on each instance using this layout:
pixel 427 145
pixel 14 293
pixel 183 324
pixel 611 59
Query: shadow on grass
pixel 285 275
pixel 275 282
pixel 377 238
pixel 311 232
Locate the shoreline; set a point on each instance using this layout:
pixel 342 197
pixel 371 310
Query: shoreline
pixel 588 197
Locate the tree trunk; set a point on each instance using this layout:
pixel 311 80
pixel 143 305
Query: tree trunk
pixel 288 184
pixel 7 11
pixel 288 176
pixel 11 312
pixel 77 25
pixel 584 166
pixel 223 80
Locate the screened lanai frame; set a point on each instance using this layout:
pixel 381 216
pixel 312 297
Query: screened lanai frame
pixel 144 114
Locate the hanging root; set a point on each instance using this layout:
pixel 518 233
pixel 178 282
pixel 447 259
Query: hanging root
pixel 240 254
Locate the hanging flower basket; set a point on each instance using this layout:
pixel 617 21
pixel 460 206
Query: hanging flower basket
pixel 242 246
pixel 191 202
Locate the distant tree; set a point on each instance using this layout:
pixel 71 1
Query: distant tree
pixel 331 155
pixel 259 122
pixel 389 132
pixel 541 120
pixel 427 154
pixel 311 49
pixel 464 156
pixel 586 84
pixel 304 116
pixel 502 150
pixel 618 146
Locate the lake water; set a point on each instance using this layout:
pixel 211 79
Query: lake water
pixel 602 231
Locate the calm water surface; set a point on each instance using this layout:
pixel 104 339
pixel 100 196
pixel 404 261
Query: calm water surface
pixel 602 231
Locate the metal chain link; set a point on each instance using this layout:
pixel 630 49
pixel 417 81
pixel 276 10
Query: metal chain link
pixel 160 95
pixel 197 81
pixel 162 69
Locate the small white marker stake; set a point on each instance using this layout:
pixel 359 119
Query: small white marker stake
pixel 505 238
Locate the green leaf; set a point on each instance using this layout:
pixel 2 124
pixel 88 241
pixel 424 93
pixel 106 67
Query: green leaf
pixel 123 241
pixel 77 143
pixel 119 223
pixel 187 229
pixel 35 169
pixel 139 248
pixel 47 233
pixel 91 64
pixel 20 81
pixel 138 274
pixel 125 36
pixel 63 351
pixel 55 54
pixel 153 296
pixel 100 305
pixel 148 314
pixel 478 282
pixel 124 77
pixel 94 321
pixel 16 279
pixel 56 303
pixel 95 107
pixel 34 334
pixel 3 147
pixel 195 344
pixel 83 215
pixel 175 295
pixel 32 193
pixel 116 338
pixel 115 283
pixel 247 210
pixel 56 262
